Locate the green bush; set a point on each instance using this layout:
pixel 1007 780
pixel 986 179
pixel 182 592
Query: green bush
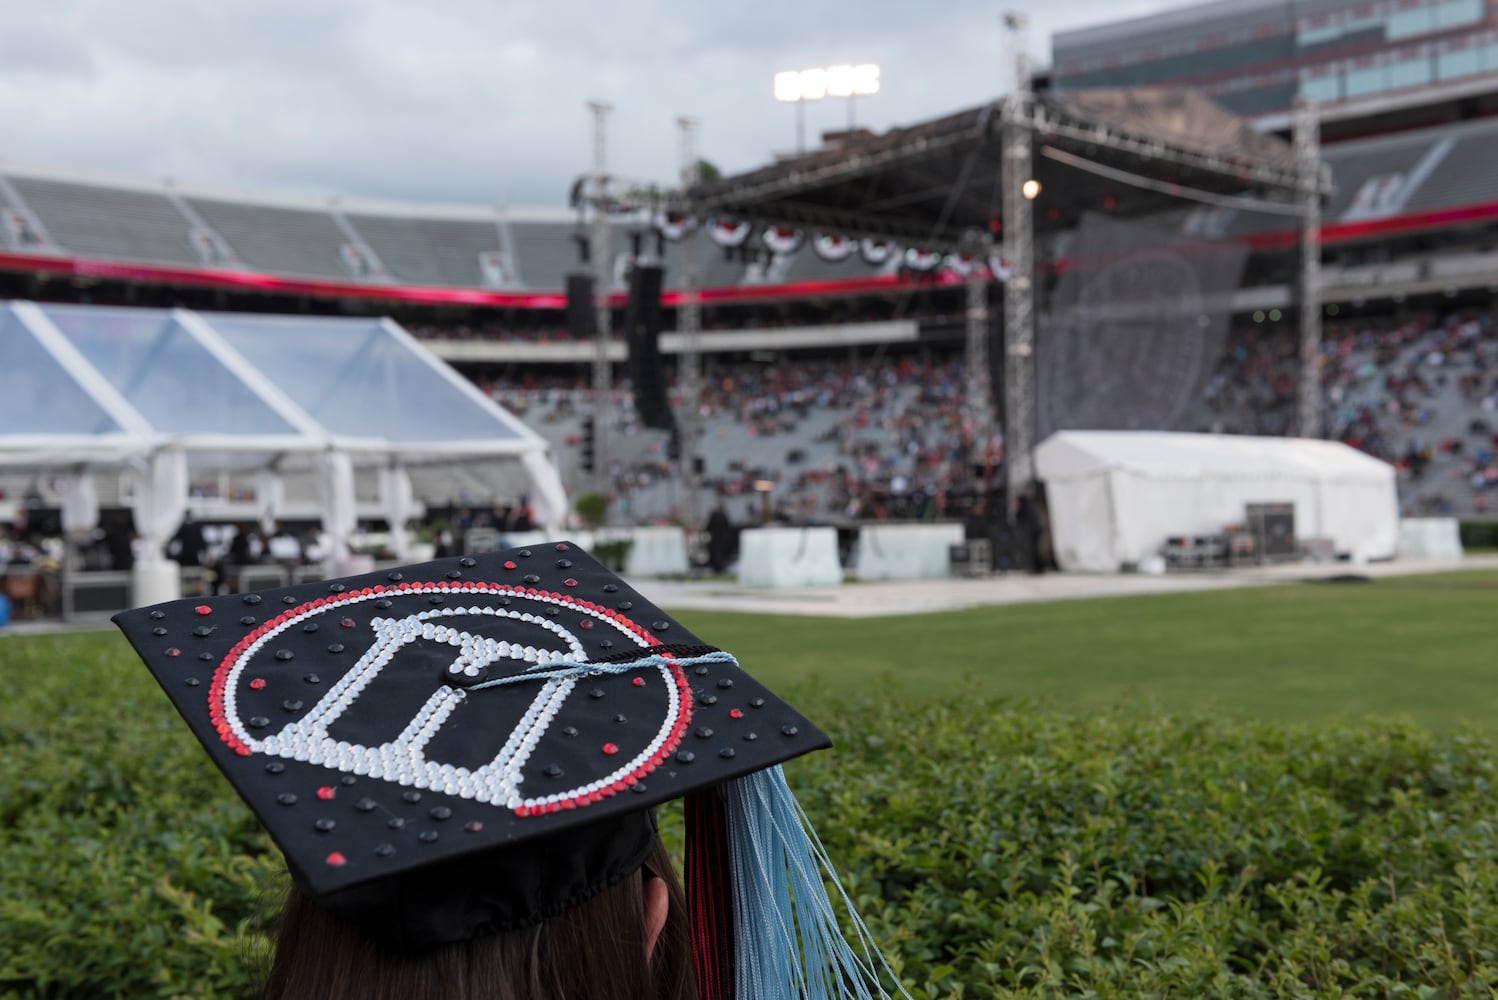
pixel 994 851
pixel 1479 534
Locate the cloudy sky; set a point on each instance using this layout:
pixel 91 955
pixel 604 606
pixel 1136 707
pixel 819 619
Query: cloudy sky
pixel 469 100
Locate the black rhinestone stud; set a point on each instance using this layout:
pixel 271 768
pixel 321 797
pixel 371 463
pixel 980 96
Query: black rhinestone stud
pixel 206 657
pixel 750 737
pixel 626 605
pixel 384 604
pixel 610 588
pixel 324 826
pixel 348 779
pixel 247 620
pixel 292 705
pixel 252 599
pixel 708 699
pixel 440 813
pixel 275 767
pixel 158 630
pixel 158 615
pixel 700 671
pixel 436 599
pixel 596 693
pixel 259 722
pixel 789 730
pixel 394 577
pixel 427 836
pixel 335 588
pixel 569 730
pixel 525 553
pixel 288 599
pixel 704 733
pixel 685 757
pixel 384 850
pixel 530 578
pixel 286 799
pixel 468 562
pixel 365 805
pixel 638 788
pixel 454 575
pixel 203 631
pixel 726 753
pixel 552 771
pixel 564 564
pixel 661 625
pixel 191 682
pixel 312 678
pixel 285 654
pixel 395 823
pixel 335 647
pixel 411 796
pixel 606 644
pixel 725 682
pixel 756 703
pixel 310 627
pixel 620 719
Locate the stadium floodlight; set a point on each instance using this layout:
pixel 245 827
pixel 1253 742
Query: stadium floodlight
pixel 844 80
pixel 1030 189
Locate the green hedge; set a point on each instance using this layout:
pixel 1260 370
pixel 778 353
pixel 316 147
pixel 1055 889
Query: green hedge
pixel 995 851
pixel 1479 534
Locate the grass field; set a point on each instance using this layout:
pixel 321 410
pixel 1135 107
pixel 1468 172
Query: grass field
pixel 1425 647
pixel 1422 647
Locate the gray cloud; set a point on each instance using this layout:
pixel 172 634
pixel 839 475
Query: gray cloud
pixel 466 100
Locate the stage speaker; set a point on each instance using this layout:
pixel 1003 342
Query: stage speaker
pixel 582 315
pixel 642 326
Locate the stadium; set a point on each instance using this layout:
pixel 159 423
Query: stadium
pixel 1130 439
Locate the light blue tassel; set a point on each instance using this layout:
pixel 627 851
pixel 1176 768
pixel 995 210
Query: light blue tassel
pixel 789 945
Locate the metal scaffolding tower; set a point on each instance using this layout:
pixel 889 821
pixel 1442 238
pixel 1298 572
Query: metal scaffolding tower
pixel 1019 258
pixel 1306 142
pixel 689 362
pixel 599 252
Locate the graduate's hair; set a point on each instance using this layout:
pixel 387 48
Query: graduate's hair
pixel 594 951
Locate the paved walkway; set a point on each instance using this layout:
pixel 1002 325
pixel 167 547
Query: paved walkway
pixel 873 600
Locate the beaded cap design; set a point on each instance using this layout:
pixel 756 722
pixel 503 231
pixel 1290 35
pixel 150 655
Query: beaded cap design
pixel 382 723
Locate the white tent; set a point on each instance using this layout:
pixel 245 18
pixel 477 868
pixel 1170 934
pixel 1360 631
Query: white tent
pixel 1116 496
pixel 163 395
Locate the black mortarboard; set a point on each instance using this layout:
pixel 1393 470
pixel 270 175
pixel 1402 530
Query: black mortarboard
pixel 473 745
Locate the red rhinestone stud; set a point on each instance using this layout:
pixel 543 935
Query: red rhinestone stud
pixel 569 582
pixel 347 623
pixel 337 860
pixel 638 682
pixel 326 792
pixel 735 713
pixel 203 609
pixel 610 748
pixel 510 564
pixel 257 683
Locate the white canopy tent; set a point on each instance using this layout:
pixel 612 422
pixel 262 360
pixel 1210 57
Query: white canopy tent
pixel 1116 496
pixel 163 395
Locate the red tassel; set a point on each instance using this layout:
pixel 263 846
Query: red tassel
pixel 709 894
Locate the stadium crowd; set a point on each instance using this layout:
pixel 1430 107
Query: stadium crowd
pixel 887 439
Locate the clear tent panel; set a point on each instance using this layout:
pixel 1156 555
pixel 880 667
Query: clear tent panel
pixel 38 395
pixel 165 373
pixel 359 379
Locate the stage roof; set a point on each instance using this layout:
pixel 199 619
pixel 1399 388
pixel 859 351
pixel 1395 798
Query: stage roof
pixel 927 184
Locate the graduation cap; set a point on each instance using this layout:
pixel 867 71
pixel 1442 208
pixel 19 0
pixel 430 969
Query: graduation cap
pixel 475 744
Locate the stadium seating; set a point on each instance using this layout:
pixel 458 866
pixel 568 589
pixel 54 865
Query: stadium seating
pixel 113 222
pixel 278 240
pixel 429 251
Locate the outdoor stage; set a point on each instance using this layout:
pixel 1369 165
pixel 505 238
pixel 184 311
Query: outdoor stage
pixel 878 600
